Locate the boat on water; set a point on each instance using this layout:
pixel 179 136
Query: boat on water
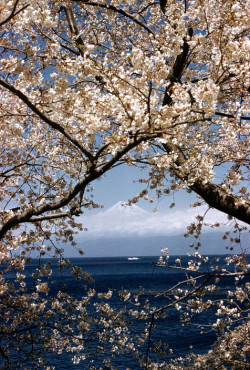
pixel 133 258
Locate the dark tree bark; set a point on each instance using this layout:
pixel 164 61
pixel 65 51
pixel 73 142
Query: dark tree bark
pixel 214 195
pixel 163 4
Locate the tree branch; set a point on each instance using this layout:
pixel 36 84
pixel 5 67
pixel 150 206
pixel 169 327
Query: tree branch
pixel 149 339
pixel 3 354
pixel 214 195
pixel 244 118
pixel 73 27
pixel 47 120
pixel 13 13
pixel 125 150
pixel 184 297
pixel 177 71
pixel 50 217
pixel 26 216
pixel 117 10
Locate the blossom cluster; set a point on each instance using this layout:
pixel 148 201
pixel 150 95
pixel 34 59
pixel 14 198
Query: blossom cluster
pixel 86 87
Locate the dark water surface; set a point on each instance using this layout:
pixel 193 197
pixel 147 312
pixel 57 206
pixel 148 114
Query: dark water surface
pixel 119 273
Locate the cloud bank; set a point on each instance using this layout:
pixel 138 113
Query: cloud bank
pixel 124 221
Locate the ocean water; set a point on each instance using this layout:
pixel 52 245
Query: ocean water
pixel 121 273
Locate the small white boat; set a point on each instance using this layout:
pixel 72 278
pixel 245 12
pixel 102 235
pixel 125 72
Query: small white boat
pixel 133 258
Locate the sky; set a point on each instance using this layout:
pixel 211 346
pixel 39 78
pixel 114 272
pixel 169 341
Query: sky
pixel 121 184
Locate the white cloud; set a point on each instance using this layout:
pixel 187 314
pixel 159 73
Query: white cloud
pixel 125 221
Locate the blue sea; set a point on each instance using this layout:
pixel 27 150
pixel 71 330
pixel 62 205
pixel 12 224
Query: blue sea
pixel 134 275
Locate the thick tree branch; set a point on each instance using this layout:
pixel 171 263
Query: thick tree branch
pixel 163 4
pixel 177 71
pixel 214 195
pixel 73 27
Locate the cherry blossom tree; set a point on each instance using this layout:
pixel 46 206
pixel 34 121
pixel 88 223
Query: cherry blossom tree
pixel 90 85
